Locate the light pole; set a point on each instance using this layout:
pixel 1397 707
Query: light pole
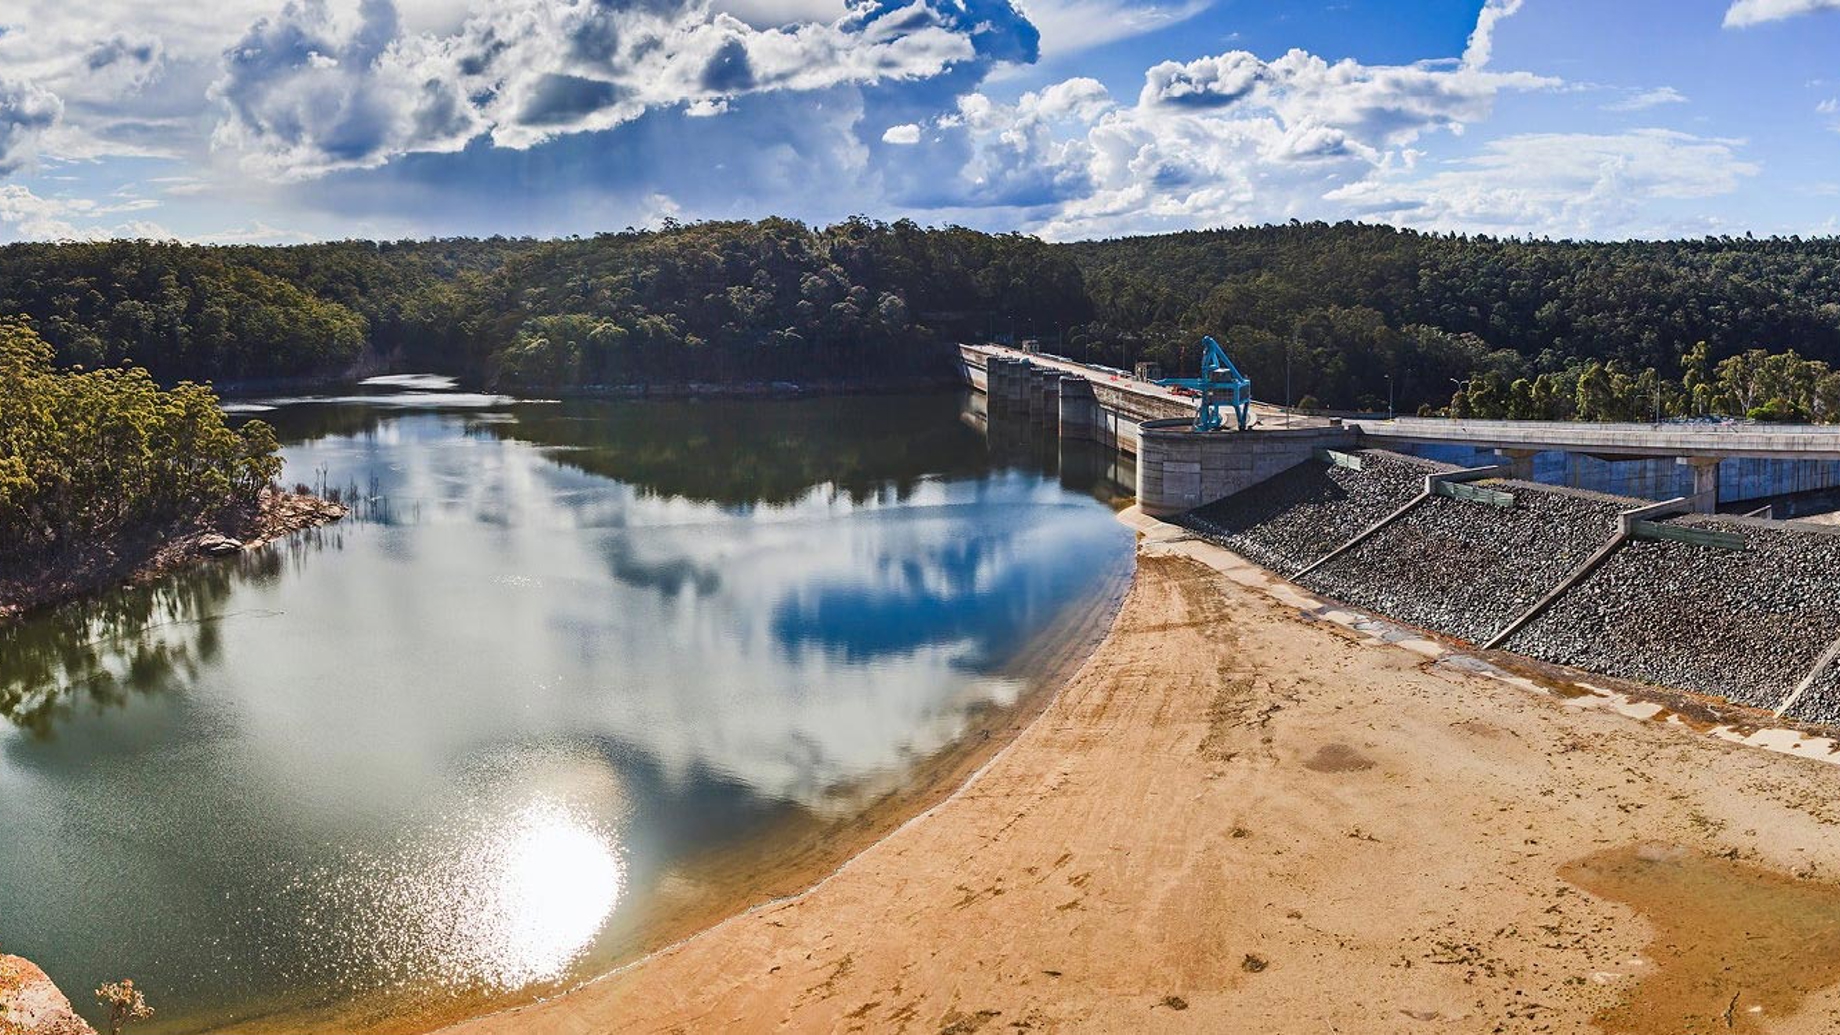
pixel 1287 382
pixel 1389 397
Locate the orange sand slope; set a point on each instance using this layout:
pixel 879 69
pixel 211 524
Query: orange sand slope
pixel 1236 819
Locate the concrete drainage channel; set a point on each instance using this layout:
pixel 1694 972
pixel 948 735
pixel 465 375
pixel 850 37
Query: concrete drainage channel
pixel 1742 609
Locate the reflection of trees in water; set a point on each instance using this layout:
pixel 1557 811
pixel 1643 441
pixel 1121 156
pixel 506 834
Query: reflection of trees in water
pixel 1016 442
pixel 1091 468
pixel 103 651
pixel 669 577
pixel 310 421
pixel 737 452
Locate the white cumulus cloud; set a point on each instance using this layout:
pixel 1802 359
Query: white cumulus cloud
pixel 1222 139
pixel 1754 12
pixel 1481 45
pixel 26 112
pixel 315 89
pixel 1557 184
pixel 25 215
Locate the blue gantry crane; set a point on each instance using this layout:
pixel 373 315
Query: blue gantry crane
pixel 1220 384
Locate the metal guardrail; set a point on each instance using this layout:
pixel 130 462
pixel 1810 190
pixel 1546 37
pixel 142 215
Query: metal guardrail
pixel 1460 425
pixel 1712 441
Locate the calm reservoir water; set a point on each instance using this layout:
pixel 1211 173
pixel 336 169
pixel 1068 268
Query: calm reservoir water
pixel 466 742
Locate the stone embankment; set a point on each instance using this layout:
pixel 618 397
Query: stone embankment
pixel 1297 518
pixel 1749 625
pixel 1746 625
pixel 1467 569
pixel 1820 702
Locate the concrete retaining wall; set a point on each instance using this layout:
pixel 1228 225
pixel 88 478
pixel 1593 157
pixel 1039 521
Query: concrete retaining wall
pixel 1179 469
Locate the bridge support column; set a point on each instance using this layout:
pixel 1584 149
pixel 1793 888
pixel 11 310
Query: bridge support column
pixel 1705 482
pixel 1520 462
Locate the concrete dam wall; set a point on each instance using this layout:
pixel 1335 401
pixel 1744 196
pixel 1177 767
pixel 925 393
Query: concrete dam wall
pixel 1549 565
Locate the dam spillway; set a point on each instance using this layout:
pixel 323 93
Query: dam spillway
pixel 1745 610
pixel 1299 517
pixel 1746 625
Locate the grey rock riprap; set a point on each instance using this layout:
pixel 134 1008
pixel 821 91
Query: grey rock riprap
pixel 1467 569
pixel 1821 701
pixel 1743 625
pixel 1293 519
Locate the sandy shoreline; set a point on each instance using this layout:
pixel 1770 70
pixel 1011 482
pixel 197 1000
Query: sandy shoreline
pixel 1239 817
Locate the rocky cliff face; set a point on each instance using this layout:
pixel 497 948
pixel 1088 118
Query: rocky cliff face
pixel 31 1005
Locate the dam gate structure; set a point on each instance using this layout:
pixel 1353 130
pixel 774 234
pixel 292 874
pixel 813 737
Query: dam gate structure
pixel 1479 552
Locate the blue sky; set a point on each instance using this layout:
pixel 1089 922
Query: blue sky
pixel 273 121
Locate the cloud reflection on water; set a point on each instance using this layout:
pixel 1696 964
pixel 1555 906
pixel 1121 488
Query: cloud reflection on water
pixel 532 686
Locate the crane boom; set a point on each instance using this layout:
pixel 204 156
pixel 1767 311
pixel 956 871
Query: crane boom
pixel 1220 384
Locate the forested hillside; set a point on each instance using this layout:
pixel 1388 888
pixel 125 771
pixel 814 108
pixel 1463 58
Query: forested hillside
pixel 1321 314
pixel 1349 304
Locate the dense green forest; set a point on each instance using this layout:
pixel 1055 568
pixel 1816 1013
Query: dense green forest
pixel 1314 313
pixel 87 456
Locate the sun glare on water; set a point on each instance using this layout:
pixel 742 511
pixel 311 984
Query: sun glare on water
pixel 535 895
pixel 512 899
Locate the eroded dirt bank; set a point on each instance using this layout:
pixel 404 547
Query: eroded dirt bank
pixel 1237 819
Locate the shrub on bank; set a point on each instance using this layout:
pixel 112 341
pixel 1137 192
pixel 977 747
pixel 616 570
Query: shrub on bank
pixel 91 455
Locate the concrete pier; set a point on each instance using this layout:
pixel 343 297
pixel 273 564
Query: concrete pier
pixel 1705 495
pixel 1079 409
pixel 1051 398
pixel 1520 462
